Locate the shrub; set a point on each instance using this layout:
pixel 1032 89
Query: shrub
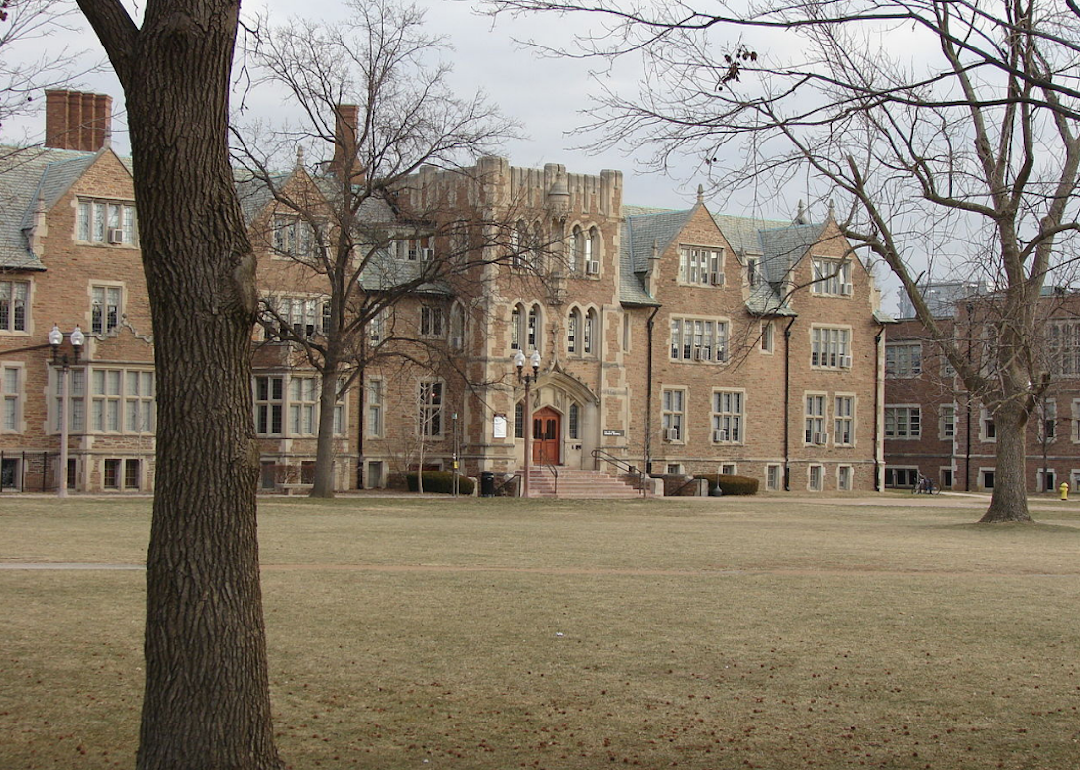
pixel 731 485
pixel 397 482
pixel 440 481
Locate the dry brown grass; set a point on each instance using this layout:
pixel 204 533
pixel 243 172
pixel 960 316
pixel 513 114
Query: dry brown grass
pixel 772 633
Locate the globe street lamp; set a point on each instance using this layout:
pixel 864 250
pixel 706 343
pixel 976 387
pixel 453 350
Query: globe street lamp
pixel 528 380
pixel 56 337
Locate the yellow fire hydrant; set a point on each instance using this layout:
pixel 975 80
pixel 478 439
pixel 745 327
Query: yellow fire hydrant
pixel 1064 490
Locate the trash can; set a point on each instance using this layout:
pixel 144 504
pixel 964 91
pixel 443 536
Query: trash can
pixel 487 484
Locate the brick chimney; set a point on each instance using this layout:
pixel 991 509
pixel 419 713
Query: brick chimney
pixel 77 121
pixel 345 160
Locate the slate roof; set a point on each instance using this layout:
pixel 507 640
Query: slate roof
pixel 254 195
pixel 777 245
pixel 644 230
pixel 383 270
pixel 29 175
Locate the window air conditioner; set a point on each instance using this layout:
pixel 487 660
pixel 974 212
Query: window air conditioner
pixel 699 355
pixel 427 254
pixel 821 438
pixel 719 435
pixel 846 290
pixel 716 279
pixel 116 235
pixel 845 362
pixel 592 267
pixel 671 434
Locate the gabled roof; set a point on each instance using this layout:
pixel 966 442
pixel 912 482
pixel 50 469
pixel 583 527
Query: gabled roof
pixel 744 233
pixel 644 231
pixel 383 270
pixel 783 247
pixel 777 245
pixel 27 176
pixel 254 194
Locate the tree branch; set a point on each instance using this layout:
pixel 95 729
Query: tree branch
pixel 117 32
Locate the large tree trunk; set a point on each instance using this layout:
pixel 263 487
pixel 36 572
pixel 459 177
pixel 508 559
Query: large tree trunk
pixel 1009 499
pixel 324 448
pixel 207 704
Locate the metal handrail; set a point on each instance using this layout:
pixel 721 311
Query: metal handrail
pixel 678 492
pixel 622 465
pixel 506 480
pixel 554 471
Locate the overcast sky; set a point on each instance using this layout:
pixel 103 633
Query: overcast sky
pixel 546 95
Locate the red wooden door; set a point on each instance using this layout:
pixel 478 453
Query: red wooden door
pixel 546 436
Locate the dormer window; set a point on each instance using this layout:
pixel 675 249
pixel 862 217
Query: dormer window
pixel 702 266
pixel 832 277
pixel 106 222
pixel 753 274
pixel 415 249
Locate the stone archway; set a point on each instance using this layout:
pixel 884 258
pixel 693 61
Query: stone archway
pixel 577 432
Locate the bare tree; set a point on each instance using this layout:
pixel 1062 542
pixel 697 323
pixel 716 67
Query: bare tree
pixel 207 701
pixel 24 27
pixel 372 91
pixel 942 130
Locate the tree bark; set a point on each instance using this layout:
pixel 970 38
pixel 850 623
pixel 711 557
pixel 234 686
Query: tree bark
pixel 324 448
pixel 207 703
pixel 1008 502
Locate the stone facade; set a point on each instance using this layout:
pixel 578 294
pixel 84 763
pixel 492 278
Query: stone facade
pixel 673 341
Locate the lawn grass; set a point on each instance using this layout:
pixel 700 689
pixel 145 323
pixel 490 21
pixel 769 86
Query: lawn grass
pixel 718 633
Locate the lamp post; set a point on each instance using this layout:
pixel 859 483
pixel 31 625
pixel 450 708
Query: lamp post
pixel 453 422
pixel 56 337
pixel 528 380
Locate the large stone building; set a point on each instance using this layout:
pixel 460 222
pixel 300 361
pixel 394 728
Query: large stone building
pixel 675 341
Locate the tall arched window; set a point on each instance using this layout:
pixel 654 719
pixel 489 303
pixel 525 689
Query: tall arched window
pixel 515 328
pixel 533 330
pixel 519 238
pixel 457 326
pixel 536 246
pixel 573 331
pixel 589 333
pixel 573 429
pixel 577 250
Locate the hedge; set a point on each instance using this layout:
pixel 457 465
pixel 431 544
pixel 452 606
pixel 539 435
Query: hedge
pixel 731 485
pixel 439 481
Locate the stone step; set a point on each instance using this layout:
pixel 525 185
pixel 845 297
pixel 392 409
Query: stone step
pixel 577 483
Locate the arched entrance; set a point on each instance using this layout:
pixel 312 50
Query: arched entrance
pixel 546 436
